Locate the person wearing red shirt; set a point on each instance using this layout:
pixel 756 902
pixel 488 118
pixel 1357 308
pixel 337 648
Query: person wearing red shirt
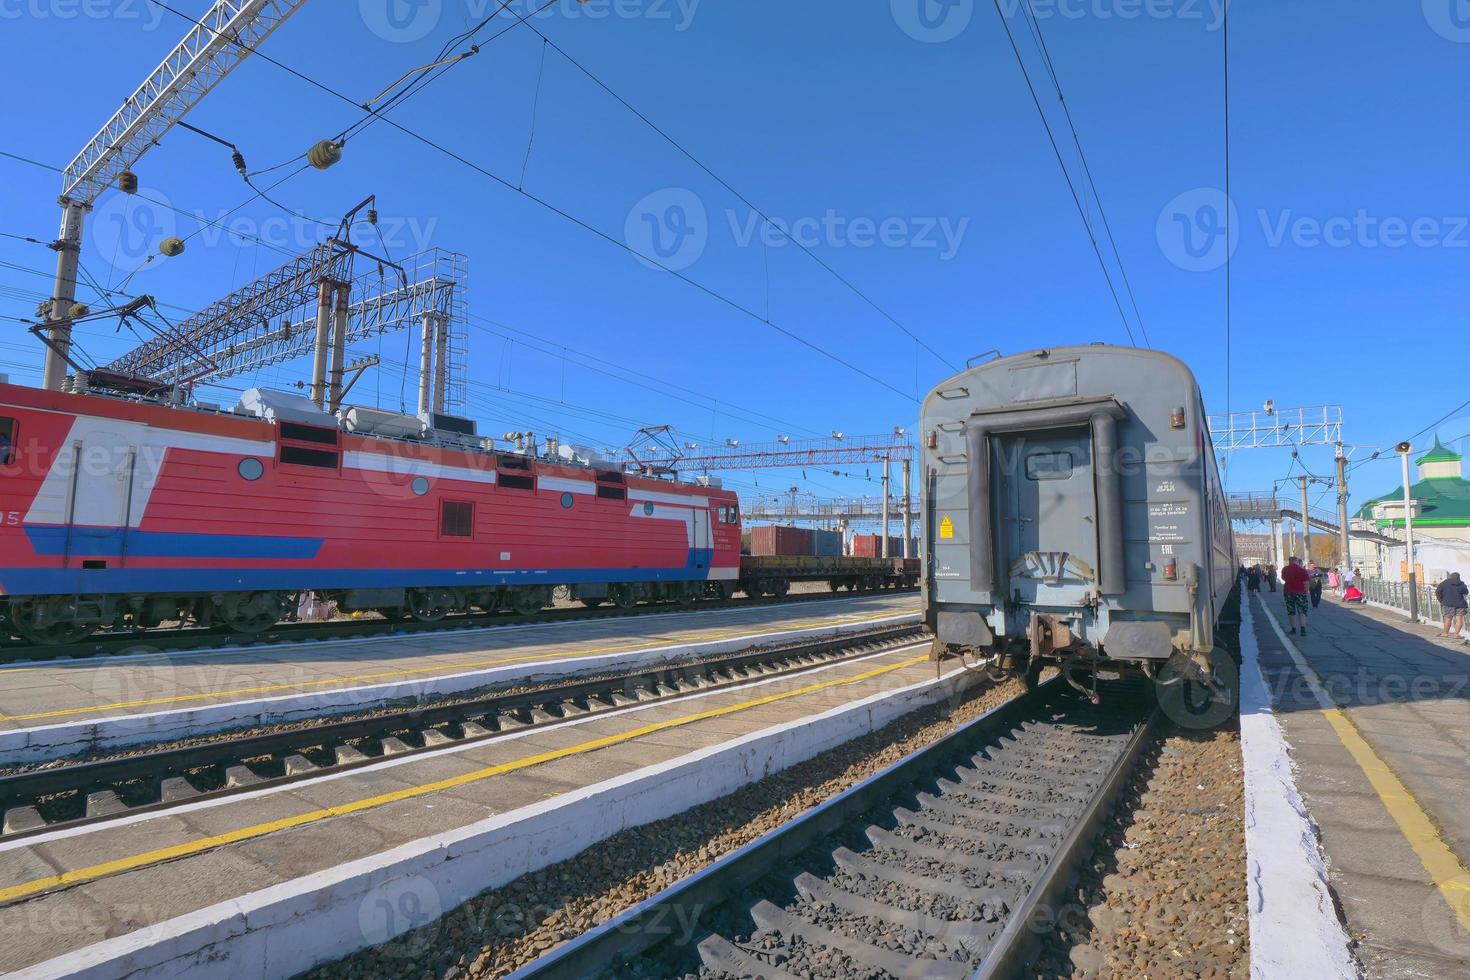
pixel 1297 582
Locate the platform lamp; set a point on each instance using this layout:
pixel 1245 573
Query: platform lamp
pixel 1403 451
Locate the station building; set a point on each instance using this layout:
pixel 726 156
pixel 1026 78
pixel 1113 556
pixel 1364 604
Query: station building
pixel 1440 508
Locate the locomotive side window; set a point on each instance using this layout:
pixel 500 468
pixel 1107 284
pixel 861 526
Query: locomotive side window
pixel 1049 466
pixel 7 441
pixel 308 457
pixel 514 473
pixel 611 486
pixel 456 519
pixel 309 433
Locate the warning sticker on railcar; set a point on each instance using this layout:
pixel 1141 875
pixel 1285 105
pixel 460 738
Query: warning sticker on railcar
pixel 946 527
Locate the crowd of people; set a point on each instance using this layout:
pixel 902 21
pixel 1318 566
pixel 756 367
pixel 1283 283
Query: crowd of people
pixel 1303 592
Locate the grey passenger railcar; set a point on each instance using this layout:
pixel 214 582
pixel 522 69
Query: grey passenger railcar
pixel 1074 516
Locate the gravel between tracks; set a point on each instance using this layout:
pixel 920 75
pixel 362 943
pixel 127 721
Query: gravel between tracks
pixel 1165 893
pixel 503 929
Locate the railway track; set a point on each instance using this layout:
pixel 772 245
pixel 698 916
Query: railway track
pixel 950 863
pixel 189 639
pixel 42 800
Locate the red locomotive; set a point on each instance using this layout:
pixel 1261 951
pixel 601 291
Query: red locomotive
pixel 121 511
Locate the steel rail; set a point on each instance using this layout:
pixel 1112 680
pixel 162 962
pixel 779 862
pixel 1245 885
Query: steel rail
pixel 197 638
pixel 700 900
pixel 26 795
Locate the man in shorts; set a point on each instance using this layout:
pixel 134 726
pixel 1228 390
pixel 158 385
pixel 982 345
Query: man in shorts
pixel 1296 581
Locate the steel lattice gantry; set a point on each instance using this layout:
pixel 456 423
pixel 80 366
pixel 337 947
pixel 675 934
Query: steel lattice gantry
pixel 779 509
pixel 1283 428
pixel 270 321
pixel 804 452
pixel 224 37
pixel 191 350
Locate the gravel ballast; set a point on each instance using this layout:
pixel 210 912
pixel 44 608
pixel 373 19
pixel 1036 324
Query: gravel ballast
pixel 1165 892
pixel 503 929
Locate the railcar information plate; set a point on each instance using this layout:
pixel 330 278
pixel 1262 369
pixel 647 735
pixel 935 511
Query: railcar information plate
pixel 1165 522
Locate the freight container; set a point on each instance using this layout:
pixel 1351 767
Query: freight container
pixel 871 546
pixel 826 544
pixel 772 539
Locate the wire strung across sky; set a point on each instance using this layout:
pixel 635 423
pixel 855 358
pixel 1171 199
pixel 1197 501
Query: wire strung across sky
pixel 1066 175
pixel 732 303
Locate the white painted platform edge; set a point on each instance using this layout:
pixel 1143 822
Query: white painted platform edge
pixel 1294 928
pixel 287 928
pixel 46 742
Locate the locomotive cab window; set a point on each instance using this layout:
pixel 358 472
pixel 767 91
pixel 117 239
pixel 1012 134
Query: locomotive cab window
pixel 729 514
pixel 7 441
pixel 1049 466
pixel 456 519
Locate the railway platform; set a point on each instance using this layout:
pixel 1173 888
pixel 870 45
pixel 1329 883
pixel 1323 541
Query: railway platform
pixel 57 708
pixel 1376 713
pixel 270 882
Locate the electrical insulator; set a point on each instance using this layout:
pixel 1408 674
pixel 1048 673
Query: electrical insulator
pixel 372 216
pixel 77 310
pixel 171 247
pixel 127 182
pixel 239 160
pixel 324 154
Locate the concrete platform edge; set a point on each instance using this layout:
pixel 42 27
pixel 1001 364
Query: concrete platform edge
pixel 282 930
pixel 1294 927
pixel 47 742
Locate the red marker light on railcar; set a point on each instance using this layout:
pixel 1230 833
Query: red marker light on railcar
pixel 1176 417
pixel 1171 570
pixel 933 438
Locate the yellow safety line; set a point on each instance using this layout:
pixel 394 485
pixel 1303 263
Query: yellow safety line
pixel 697 637
pixel 189 848
pixel 1445 869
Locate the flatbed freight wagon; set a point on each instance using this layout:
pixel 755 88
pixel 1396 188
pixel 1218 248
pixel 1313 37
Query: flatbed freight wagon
pixel 773 574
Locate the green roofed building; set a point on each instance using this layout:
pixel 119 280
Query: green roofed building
pixel 1441 498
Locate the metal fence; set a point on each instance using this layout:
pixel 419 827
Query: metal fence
pixel 1396 594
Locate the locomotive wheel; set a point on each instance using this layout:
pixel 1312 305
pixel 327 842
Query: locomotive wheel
pixel 254 612
pixel 526 601
pixel 623 596
pixel 30 621
pixel 591 603
pixel 429 605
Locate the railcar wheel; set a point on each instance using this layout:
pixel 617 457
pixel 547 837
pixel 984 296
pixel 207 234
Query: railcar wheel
pixel 1199 696
pixel 780 587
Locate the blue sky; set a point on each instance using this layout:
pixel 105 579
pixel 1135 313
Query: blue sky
pixel 896 139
